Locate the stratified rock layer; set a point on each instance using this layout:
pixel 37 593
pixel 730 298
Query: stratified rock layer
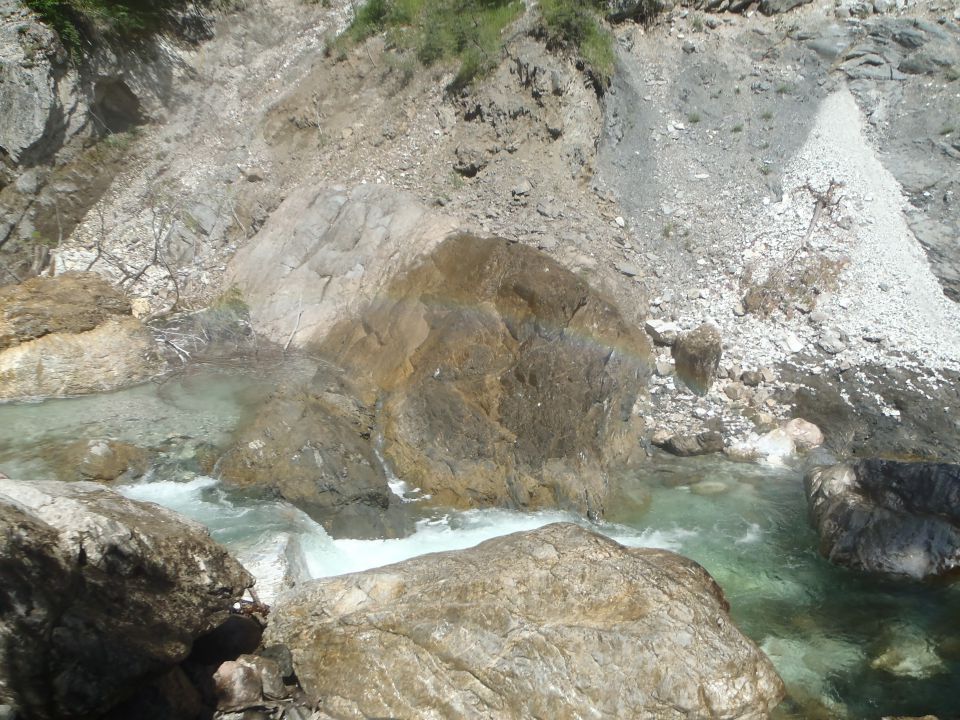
pixel 99 593
pixel 895 518
pixel 551 623
pixel 70 335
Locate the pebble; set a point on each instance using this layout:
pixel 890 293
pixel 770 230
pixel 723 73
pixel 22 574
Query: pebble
pixel 791 343
pixel 628 269
pixel 620 222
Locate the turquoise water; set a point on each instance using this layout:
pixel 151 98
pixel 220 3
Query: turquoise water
pixel 848 646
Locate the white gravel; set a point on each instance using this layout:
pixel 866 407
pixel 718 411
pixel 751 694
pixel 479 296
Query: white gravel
pixel 888 287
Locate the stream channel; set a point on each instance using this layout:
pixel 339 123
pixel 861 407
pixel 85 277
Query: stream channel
pixel 846 645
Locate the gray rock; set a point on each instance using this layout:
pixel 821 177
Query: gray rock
pixel 323 255
pixel 776 7
pixel 628 269
pixel 522 188
pixel 697 355
pixel 100 593
pixel 832 341
pixel 513 628
pixel 704 443
pixel 662 333
pixel 883 6
pixel 664 368
pixel 892 518
pixel 237 686
pixel 751 378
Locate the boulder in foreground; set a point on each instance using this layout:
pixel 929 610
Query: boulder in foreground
pixel 555 622
pixel 99 594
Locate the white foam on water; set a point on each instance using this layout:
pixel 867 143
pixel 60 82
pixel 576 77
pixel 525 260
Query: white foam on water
pixel 277 542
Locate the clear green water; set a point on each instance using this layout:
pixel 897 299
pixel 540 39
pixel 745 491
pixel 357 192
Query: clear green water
pixel 848 646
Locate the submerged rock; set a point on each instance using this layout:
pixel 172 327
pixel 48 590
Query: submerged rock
pixel 99 594
pixel 555 622
pixel 503 379
pixel 888 517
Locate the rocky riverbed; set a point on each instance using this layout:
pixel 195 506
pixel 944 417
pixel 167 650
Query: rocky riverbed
pixel 512 298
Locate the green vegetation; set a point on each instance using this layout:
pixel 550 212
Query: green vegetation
pixel 947 129
pixel 784 88
pixel 693 118
pixel 577 26
pixel 738 128
pixel 472 32
pixel 433 31
pixel 767 115
pixel 78 22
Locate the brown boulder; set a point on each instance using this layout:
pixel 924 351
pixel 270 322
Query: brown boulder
pixel 101 460
pixel 505 380
pixel 313 448
pixel 70 303
pixel 697 356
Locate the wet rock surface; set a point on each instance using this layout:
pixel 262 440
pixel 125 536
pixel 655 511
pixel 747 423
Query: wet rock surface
pixel 100 593
pixel 895 518
pixel 315 447
pixel 514 626
pixel 505 379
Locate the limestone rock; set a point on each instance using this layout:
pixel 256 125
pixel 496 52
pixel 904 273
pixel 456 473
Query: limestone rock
pixel 100 460
pixel 805 435
pixel 312 447
pixel 324 254
pixel 697 355
pixel 504 380
pixel 555 622
pixel 888 517
pixel 100 593
pixel 117 353
pixel 71 303
pixel 703 443
pixel 70 335
pixel 775 7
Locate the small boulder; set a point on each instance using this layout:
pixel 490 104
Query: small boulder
pixel 805 435
pixel 237 686
pixel 703 443
pixel 663 333
pixel 697 355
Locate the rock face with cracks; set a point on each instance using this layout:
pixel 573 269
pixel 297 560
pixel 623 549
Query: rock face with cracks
pixel 99 593
pixel 70 335
pixel 882 516
pixel 555 622
pixel 504 380
pixel 697 355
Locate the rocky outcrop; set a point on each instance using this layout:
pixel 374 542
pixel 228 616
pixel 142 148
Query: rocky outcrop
pixel 555 622
pixel 504 379
pixel 324 254
pixel 697 356
pixel 100 593
pixel 313 447
pixel 881 516
pixel 70 335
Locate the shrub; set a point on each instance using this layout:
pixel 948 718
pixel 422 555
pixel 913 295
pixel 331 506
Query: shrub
pixel 577 26
pixel 433 31
pixel 79 22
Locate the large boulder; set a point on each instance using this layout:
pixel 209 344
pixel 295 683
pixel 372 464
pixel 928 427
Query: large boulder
pixel 70 335
pixel 555 622
pixel 503 379
pixel 312 446
pixel 325 253
pixel 99 594
pixel 697 356
pixel 882 516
